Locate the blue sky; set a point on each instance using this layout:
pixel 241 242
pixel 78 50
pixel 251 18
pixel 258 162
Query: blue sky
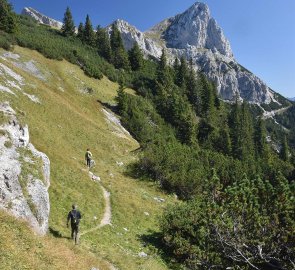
pixel 261 32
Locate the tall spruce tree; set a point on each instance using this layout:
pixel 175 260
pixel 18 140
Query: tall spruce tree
pixel 207 97
pixel 103 43
pixel 234 121
pixel 80 33
pixel 247 132
pixel 284 153
pixel 8 21
pixel 88 35
pixel 182 73
pixel 192 89
pixel 68 27
pixel 163 75
pixel 136 57
pixel 261 146
pixel 119 55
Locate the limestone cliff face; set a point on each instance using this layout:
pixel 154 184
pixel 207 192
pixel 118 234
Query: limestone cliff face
pixel 24 174
pixel 195 35
pixel 39 17
pixel 195 27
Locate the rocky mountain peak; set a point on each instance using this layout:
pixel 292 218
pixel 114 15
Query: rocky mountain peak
pixel 195 27
pixel 41 18
pixel 130 34
pixel 196 36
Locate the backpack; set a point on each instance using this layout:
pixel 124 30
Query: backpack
pixel 88 155
pixel 74 217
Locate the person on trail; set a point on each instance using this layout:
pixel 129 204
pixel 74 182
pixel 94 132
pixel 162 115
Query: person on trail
pixel 88 156
pixel 75 216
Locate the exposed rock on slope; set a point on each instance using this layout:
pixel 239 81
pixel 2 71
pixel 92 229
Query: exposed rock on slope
pixel 39 17
pixel 24 174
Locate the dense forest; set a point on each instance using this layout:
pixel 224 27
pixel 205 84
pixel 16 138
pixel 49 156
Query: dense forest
pixel 236 184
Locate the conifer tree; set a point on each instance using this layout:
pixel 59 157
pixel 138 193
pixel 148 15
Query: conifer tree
pixel 284 153
pixel 119 55
pixel 68 27
pixel 192 89
pixel 246 133
pixel 175 69
pixel 88 35
pixel 8 21
pixel 206 97
pixel 182 73
pixel 234 121
pixel 163 75
pixel 136 57
pixel 224 140
pixel 80 33
pixel 103 43
pixel 261 147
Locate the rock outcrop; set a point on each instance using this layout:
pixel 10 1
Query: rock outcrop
pixel 39 17
pixel 24 174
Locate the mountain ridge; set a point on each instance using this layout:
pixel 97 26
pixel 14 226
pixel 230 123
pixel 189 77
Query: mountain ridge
pixel 193 34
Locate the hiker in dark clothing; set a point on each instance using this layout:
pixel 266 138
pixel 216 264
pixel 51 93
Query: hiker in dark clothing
pixel 88 156
pixel 75 216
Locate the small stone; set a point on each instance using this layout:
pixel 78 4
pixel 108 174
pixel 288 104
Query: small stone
pixel 119 163
pixel 158 199
pixel 142 254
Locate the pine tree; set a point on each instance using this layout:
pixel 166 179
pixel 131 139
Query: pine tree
pixel 247 131
pixel 234 121
pixel 103 43
pixel 8 21
pixel 192 89
pixel 284 153
pixel 119 55
pixel 88 35
pixel 136 57
pixel 163 75
pixel 80 33
pixel 175 69
pixel 68 28
pixel 224 140
pixel 261 146
pixel 182 73
pixel 206 97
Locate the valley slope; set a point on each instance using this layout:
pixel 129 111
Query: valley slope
pixel 64 112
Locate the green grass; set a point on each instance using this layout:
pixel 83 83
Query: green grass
pixel 68 121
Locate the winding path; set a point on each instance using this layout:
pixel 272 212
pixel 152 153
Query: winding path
pixel 107 216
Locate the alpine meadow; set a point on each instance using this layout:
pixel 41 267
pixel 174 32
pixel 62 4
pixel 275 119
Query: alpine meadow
pixel 190 156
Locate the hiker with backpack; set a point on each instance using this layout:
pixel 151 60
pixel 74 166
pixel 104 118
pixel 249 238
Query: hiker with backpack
pixel 75 216
pixel 88 157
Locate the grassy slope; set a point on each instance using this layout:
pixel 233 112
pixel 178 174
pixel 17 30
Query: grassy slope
pixel 63 126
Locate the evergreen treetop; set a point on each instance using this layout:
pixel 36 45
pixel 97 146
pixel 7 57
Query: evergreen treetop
pixel 68 28
pixel 8 21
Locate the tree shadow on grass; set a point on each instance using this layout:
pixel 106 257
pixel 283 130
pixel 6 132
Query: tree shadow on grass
pixel 153 241
pixel 113 108
pixel 57 234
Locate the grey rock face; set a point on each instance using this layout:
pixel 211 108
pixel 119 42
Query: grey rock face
pixel 195 35
pixel 195 27
pixel 130 35
pixel 24 174
pixel 41 18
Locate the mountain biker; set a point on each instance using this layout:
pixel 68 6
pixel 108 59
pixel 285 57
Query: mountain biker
pixel 75 216
pixel 88 156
